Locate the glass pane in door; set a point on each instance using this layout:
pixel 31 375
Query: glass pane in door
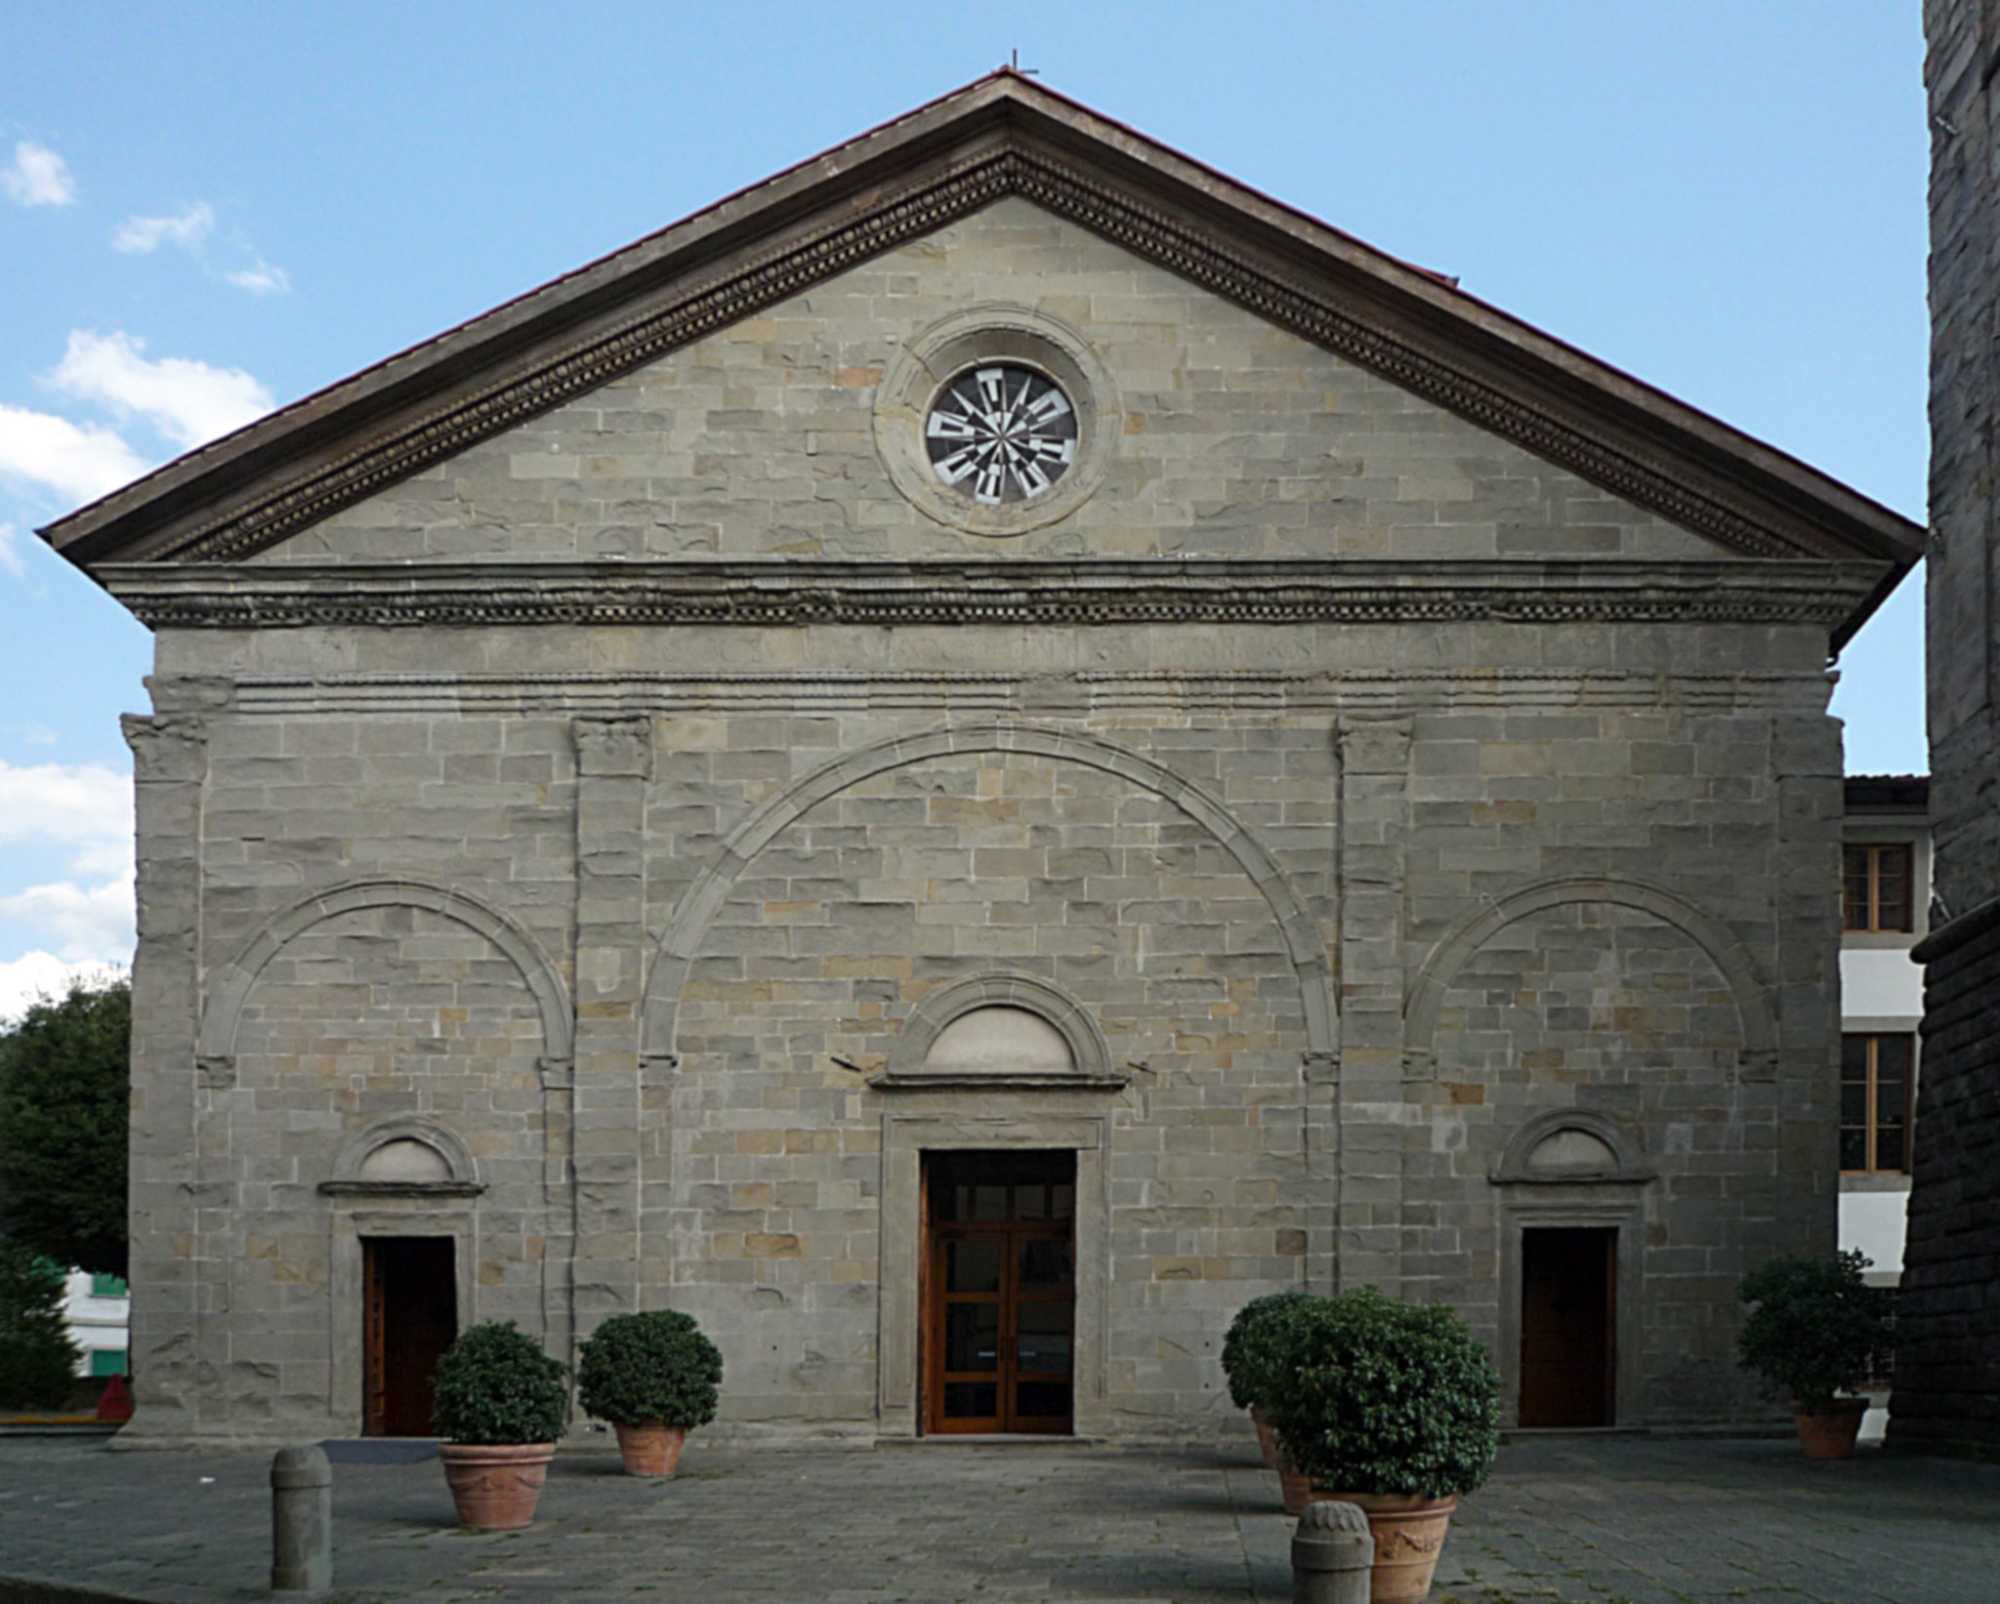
pixel 972 1337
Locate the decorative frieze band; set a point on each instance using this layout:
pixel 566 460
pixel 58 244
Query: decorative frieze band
pixel 1094 591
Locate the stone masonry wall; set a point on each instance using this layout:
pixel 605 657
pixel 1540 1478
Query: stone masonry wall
pixel 753 1192
pixel 1947 1393
pixel 366 1016
pixel 945 871
pixel 1280 867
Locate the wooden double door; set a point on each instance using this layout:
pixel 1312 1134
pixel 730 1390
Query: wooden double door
pixel 999 1292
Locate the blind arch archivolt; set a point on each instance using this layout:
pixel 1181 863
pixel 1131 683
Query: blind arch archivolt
pixel 235 979
pixel 1746 984
pixel 682 941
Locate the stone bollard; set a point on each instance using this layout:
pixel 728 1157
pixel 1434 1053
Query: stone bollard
pixel 301 1520
pixel 1332 1555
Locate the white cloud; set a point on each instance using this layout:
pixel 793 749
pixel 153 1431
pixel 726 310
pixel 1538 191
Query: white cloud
pixel 189 402
pixel 37 177
pixel 189 229
pixel 84 805
pixel 261 278
pixel 10 554
pixel 148 234
pixel 80 462
pixel 87 809
pixel 38 975
pixel 91 924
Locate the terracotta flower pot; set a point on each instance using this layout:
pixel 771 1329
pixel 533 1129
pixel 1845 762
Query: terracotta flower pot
pixel 1830 1436
pixel 1296 1486
pixel 1267 1439
pixel 651 1449
pixel 1409 1533
pixel 496 1488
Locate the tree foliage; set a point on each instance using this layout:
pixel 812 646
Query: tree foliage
pixel 1251 1346
pixel 37 1359
pixel 637 1368
pixel 65 1101
pixel 1375 1396
pixel 1815 1328
pixel 495 1386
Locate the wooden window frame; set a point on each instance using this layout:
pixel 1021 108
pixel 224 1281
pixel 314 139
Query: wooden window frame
pixel 1874 1040
pixel 1870 914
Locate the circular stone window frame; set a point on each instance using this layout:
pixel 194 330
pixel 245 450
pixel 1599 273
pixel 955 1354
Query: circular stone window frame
pixel 994 332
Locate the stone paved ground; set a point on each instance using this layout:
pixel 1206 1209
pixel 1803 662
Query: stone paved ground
pixel 1603 1522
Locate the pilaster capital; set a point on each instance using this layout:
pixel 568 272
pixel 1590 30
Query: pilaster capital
pixel 614 748
pixel 1321 1068
pixel 1375 745
pixel 166 748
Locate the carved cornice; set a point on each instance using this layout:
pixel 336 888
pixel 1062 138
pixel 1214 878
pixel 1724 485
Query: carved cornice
pixel 247 493
pixel 1095 591
pixel 1425 367
pixel 573 370
pixel 998 1080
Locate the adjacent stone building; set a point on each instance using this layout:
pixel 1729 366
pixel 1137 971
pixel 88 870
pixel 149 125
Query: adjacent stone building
pixel 956 765
pixel 1948 1363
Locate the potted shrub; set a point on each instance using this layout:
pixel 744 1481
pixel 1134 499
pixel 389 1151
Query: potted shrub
pixel 500 1406
pixel 1248 1350
pixel 654 1377
pixel 1390 1406
pixel 1814 1333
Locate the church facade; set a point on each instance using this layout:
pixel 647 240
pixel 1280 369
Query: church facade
pixel 956 765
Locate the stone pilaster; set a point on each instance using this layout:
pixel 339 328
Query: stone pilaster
pixel 614 765
pixel 1320 1100
pixel 1803 1188
pixel 177 1347
pixel 1374 822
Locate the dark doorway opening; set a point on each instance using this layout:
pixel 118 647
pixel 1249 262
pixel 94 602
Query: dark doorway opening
pixel 409 1318
pixel 1569 1299
pixel 999 1293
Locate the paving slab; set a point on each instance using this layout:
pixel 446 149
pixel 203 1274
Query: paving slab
pixel 1624 1522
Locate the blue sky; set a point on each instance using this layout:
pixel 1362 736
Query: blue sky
pixel 209 209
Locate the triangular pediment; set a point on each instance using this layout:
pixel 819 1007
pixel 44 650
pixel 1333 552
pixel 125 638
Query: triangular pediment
pixel 1001 137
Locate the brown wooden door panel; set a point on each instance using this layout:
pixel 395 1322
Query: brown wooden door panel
pixel 1568 1327
pixel 409 1318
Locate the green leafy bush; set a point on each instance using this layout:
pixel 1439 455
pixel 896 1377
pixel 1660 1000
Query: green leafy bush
pixel 37 1359
pixel 65 1104
pixel 637 1368
pixel 495 1386
pixel 1251 1345
pixel 1815 1328
pixel 1374 1396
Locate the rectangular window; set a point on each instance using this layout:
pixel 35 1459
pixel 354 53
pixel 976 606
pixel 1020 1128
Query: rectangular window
pixel 1875 1084
pixel 107 1361
pixel 109 1286
pixel 1876 888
